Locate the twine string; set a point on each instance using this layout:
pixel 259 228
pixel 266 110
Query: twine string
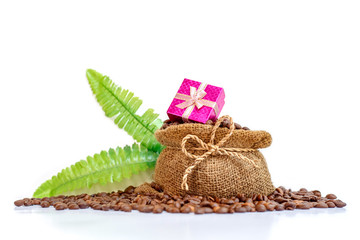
pixel 212 149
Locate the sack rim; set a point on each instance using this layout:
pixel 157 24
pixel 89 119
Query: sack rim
pixel 245 138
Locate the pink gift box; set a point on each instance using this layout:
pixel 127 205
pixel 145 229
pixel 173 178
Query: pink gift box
pixel 196 101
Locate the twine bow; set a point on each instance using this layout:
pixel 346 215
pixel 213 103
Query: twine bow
pixel 212 149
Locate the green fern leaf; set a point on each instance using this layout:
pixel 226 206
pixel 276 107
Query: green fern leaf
pixel 103 168
pixel 121 105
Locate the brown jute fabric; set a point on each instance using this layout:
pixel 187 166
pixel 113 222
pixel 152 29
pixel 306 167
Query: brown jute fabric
pixel 207 160
pixel 147 189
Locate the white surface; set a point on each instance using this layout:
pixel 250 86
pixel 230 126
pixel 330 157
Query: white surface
pixel 89 224
pixel 289 67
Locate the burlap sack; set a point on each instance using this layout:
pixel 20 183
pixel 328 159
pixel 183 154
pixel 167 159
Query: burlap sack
pixel 216 175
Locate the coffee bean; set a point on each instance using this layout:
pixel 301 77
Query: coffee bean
pixel 96 206
pixel 205 204
pixel 339 203
pixel 172 210
pixel 199 210
pixel 158 209
pixel 280 199
pixel 208 209
pixel 317 193
pixel 331 204
pixel 260 208
pixel 237 126
pixel 331 196
pixel 241 197
pixel 27 203
pixel 105 207
pixel 270 207
pixel 210 122
pixel 44 204
pixel 74 206
pixel 259 197
pixel 83 205
pixel 115 208
pixel 321 205
pixel 280 207
pixel 303 205
pixel 241 209
pixel 36 202
pixel 185 209
pixel 177 204
pixel 290 206
pixel 19 203
pixel 246 128
pixel 221 210
pixel 125 208
pixel 226 123
pixel 214 205
pixel 247 208
pixel 129 189
pixel 61 206
pixel 145 208
pixel 229 201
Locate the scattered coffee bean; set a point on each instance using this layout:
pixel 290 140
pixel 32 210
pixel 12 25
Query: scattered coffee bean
pixel 158 209
pixel 185 209
pixel 290 205
pixel 222 210
pixel 321 205
pixel 19 203
pixel 172 209
pixel 331 196
pixel 237 126
pixel 339 203
pixel 27 202
pixel 208 210
pixel 280 207
pixel 240 209
pixel 260 208
pixel 210 122
pixel 125 208
pixel 145 208
pixel 199 210
pixel 129 189
pixel 44 204
pixel 61 206
pixel 331 204
pixel 303 205
pixel 317 193
pixel 73 206
pixel 281 199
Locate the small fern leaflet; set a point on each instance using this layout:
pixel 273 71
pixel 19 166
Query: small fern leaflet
pixel 121 105
pixel 106 167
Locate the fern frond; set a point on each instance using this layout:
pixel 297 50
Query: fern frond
pixel 106 167
pixel 121 105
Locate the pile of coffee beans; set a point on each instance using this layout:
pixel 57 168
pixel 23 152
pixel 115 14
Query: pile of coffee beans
pixel 126 201
pixel 225 123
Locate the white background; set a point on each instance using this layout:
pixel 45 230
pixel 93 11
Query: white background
pixel 288 67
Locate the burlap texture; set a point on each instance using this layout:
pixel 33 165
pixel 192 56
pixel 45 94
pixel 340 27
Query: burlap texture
pixel 217 175
pixel 147 189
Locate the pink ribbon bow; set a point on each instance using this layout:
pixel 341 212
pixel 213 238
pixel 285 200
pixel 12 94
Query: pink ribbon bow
pixel 195 98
